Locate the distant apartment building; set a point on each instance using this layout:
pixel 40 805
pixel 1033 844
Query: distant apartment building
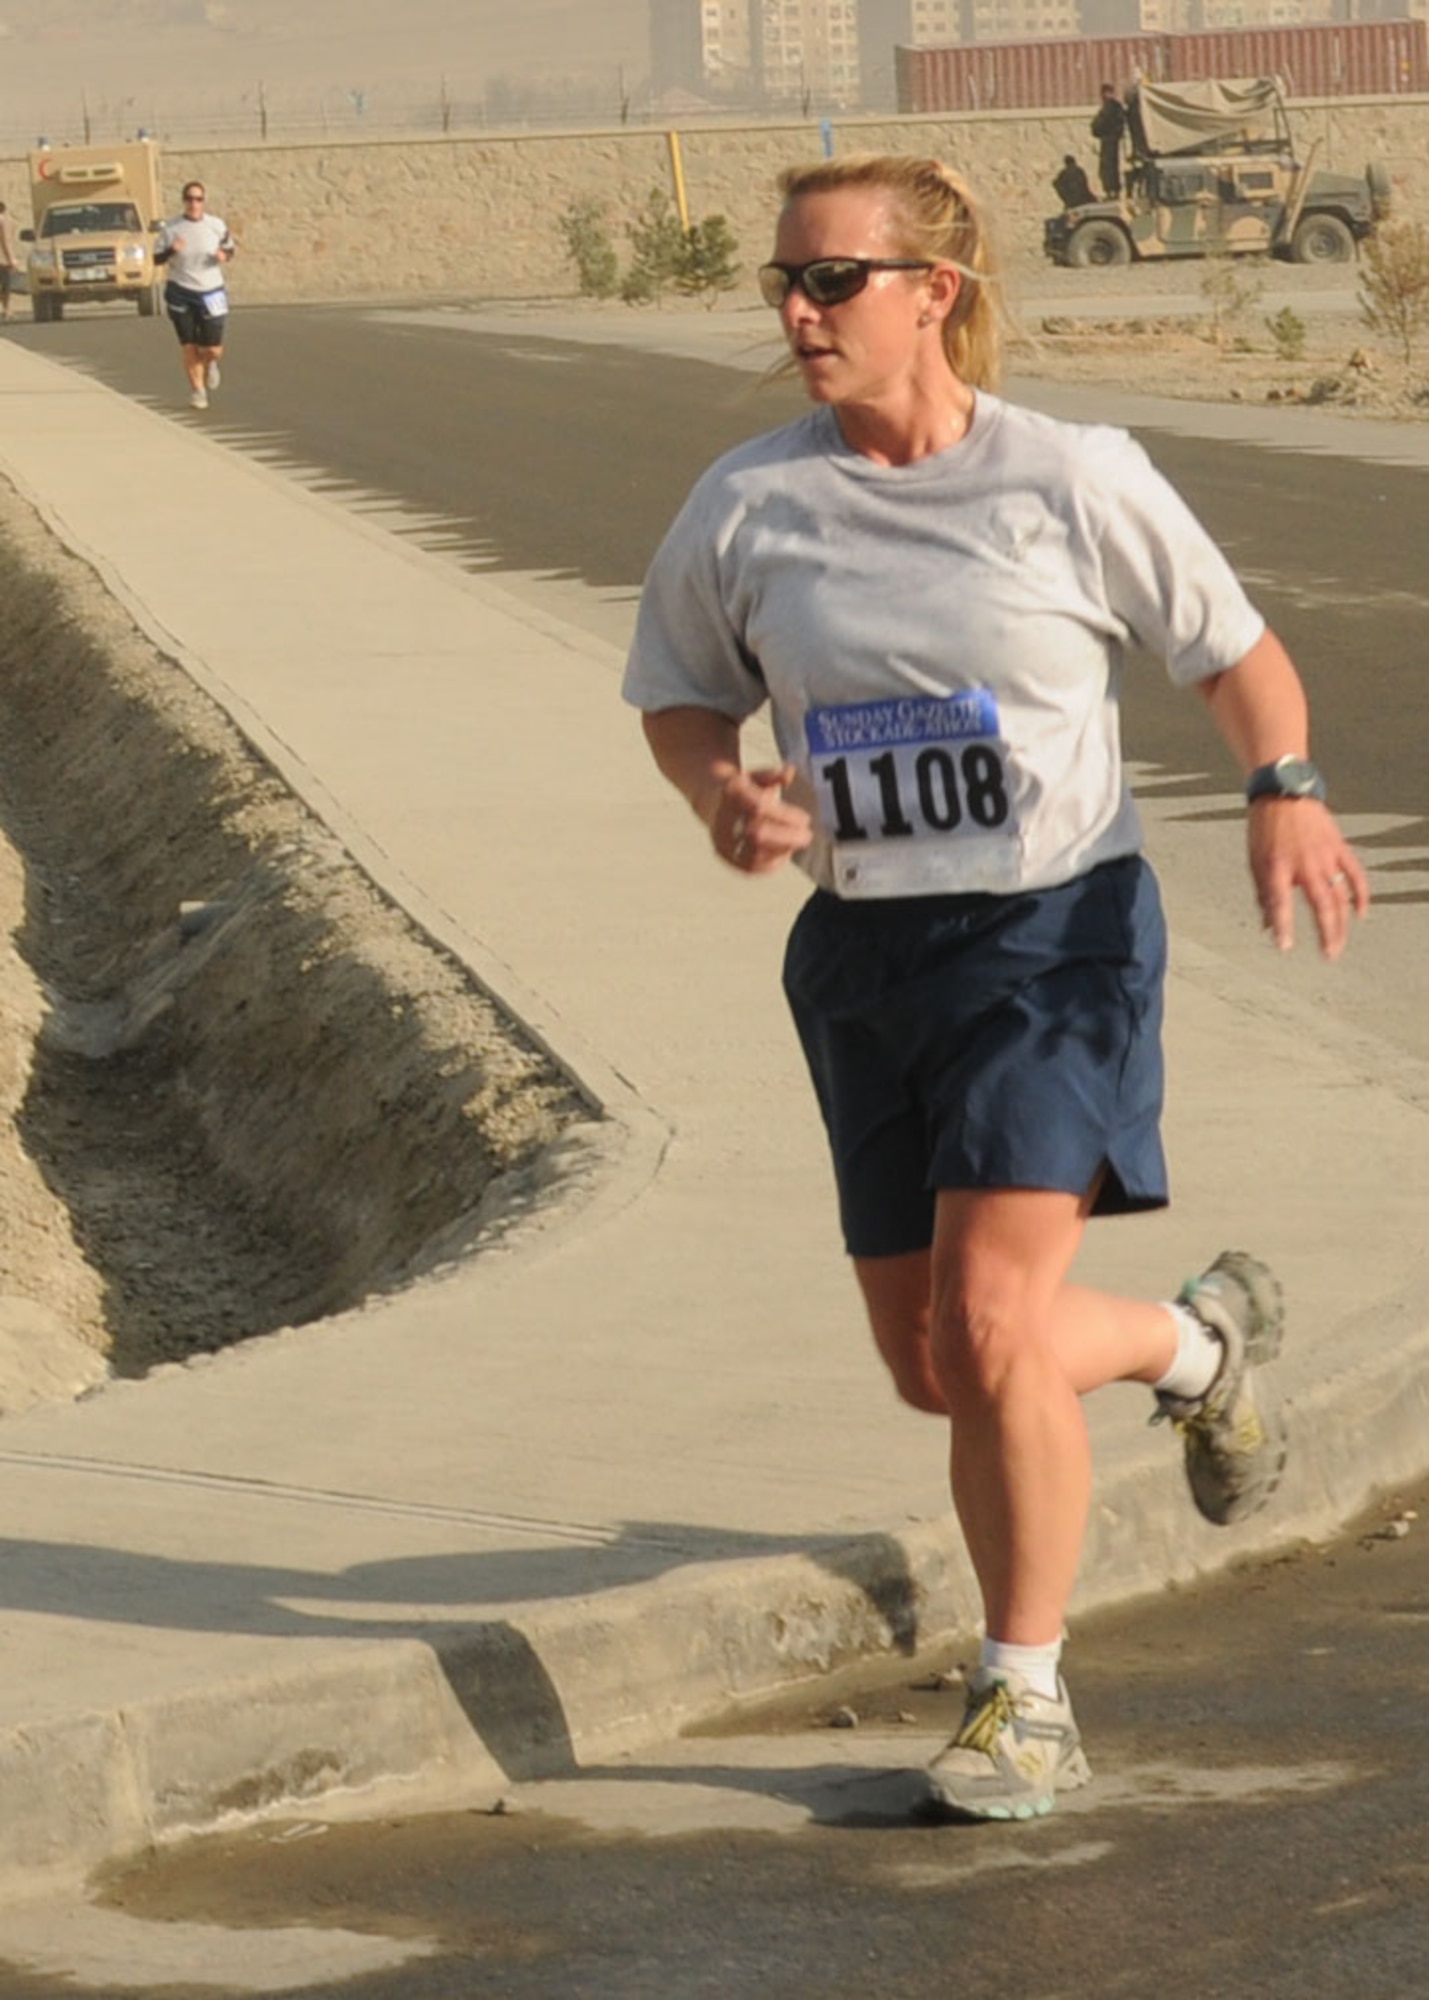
pixel 778 53
pixel 701 48
pixel 1174 17
pixel 823 54
pixel 805 52
pixel 1021 20
pixel 817 55
pixel 1259 13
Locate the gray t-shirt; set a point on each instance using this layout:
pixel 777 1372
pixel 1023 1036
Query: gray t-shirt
pixel 942 643
pixel 195 245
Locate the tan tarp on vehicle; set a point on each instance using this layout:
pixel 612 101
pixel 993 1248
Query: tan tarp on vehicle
pixel 1178 117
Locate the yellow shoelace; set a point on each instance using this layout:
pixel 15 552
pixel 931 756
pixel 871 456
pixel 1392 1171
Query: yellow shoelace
pixel 984 1722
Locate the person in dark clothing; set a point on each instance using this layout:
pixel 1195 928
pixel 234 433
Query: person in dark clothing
pixel 1107 129
pixel 1072 186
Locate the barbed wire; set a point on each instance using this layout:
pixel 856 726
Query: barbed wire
pixel 335 111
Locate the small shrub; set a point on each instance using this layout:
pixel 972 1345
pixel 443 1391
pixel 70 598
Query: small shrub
pixel 1230 288
pixel 1394 283
pixel 698 262
pixel 707 265
pixel 1287 330
pixel 657 249
pixel 590 249
pixel 638 287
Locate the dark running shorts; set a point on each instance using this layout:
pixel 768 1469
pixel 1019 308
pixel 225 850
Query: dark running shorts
pixel 984 1042
pixel 192 324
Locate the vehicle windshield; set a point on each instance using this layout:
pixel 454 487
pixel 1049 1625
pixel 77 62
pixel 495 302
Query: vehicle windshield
pixel 88 218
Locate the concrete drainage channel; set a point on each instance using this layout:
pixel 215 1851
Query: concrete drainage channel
pixel 240 1090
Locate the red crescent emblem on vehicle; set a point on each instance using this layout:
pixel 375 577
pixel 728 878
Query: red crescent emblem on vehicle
pixel 45 165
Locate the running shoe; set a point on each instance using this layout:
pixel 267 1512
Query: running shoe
pixel 199 399
pixel 212 375
pixel 1015 1751
pixel 1235 1435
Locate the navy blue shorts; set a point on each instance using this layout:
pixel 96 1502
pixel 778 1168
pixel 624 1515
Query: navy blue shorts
pixel 194 326
pixel 984 1042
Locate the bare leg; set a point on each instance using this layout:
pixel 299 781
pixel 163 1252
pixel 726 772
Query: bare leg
pixel 985 1327
pixel 897 1292
pixel 195 362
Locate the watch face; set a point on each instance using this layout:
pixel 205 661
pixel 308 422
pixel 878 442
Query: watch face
pixel 1298 779
pixel 1287 778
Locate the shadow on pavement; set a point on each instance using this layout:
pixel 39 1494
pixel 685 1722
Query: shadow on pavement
pixel 466 1606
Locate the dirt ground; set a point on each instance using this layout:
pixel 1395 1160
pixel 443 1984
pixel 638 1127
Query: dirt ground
pixel 240 1090
pixel 1233 349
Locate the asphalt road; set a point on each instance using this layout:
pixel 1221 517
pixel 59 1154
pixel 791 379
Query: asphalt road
pixel 556 467
pixel 1258 1829
pixel 544 457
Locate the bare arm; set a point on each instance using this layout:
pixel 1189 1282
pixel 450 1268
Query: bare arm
pixel 749 824
pixel 1259 707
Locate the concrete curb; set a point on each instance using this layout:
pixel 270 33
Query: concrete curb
pixel 418 1725
pixel 407 1725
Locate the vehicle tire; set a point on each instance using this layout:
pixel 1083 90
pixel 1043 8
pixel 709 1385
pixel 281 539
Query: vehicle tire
pixel 1322 239
pixel 41 307
pixel 1094 244
pixel 148 302
pixel 1381 189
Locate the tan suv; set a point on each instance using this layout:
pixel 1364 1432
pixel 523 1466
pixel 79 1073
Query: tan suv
pixel 96 209
pixel 1213 173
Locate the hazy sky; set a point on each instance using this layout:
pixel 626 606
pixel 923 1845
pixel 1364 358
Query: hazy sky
pixel 208 46
pixel 506 31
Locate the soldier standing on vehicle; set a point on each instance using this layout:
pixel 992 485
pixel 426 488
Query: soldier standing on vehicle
pixel 9 260
pixel 195 246
pixel 1107 129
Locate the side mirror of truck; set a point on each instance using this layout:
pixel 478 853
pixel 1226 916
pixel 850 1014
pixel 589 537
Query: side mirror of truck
pixel 27 235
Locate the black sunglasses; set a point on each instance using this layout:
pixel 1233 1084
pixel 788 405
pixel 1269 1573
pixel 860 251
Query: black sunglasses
pixel 828 281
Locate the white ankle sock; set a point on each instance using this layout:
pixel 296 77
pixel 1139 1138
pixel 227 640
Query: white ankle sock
pixel 1197 1360
pixel 1036 1664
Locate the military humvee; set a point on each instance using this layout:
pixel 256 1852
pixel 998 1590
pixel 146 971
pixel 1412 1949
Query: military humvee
pixel 1213 173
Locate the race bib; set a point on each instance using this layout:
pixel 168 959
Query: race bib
pixel 214 304
pixel 913 793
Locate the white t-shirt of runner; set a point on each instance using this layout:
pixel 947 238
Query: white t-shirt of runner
pixel 943 644
pixel 195 265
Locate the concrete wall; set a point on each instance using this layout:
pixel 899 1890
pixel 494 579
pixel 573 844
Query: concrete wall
pixel 478 217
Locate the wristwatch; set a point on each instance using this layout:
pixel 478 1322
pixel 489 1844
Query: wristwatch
pixel 1286 778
